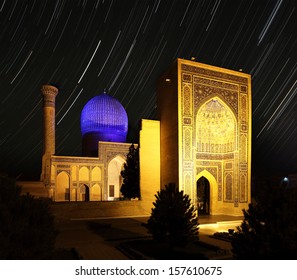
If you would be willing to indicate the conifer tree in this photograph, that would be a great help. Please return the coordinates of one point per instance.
(173, 218)
(130, 187)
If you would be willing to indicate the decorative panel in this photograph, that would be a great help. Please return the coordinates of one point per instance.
(228, 187)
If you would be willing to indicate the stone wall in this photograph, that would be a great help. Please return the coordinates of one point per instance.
(35, 188)
(95, 209)
(88, 209)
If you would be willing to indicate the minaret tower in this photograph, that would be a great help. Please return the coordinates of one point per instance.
(49, 93)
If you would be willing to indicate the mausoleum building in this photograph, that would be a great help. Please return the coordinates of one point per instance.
(201, 141)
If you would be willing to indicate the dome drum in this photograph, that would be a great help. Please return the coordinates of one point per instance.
(91, 139)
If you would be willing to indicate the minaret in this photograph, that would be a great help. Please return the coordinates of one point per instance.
(49, 93)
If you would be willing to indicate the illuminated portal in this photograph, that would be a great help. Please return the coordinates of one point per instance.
(205, 131)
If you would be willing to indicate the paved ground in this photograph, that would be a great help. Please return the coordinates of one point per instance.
(96, 239)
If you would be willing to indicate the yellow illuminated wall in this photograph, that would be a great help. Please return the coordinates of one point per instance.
(89, 178)
(149, 161)
(205, 118)
(76, 179)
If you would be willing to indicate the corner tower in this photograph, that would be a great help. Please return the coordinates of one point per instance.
(49, 93)
(205, 115)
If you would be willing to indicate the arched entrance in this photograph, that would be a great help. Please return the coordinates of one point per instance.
(85, 192)
(114, 181)
(203, 196)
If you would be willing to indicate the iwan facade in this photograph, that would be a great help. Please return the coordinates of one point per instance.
(205, 115)
(201, 141)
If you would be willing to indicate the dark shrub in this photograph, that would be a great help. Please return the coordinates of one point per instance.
(26, 225)
(269, 228)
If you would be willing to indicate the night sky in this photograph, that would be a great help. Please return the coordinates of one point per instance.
(84, 47)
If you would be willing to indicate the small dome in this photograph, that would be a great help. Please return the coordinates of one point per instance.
(104, 118)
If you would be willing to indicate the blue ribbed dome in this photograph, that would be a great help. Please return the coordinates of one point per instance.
(105, 117)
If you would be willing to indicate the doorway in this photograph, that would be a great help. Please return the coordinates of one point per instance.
(85, 192)
(203, 192)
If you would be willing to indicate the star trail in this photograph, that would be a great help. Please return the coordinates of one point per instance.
(86, 46)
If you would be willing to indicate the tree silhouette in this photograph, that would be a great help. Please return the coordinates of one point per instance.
(173, 218)
(130, 187)
(269, 229)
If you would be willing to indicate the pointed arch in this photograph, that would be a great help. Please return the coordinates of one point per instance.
(96, 194)
(96, 174)
(84, 174)
(203, 196)
(221, 100)
(114, 181)
(213, 188)
(62, 187)
(84, 192)
(216, 127)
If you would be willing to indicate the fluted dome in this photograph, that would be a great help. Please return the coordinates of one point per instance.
(103, 118)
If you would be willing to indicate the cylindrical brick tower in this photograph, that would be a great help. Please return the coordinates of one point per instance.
(49, 93)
